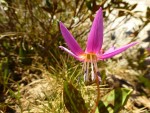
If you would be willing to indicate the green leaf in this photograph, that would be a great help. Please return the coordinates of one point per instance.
(133, 7)
(121, 13)
(145, 81)
(73, 99)
(101, 108)
(21, 51)
(114, 101)
(89, 4)
(148, 12)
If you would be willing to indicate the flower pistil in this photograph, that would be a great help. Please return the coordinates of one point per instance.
(90, 68)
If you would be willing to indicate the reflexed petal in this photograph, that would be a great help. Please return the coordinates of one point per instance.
(95, 37)
(71, 42)
(116, 51)
(110, 50)
(71, 53)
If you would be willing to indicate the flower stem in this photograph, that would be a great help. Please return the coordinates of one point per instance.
(98, 95)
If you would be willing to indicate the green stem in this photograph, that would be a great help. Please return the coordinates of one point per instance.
(98, 95)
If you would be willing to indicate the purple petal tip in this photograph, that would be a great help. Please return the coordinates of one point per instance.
(69, 39)
(95, 37)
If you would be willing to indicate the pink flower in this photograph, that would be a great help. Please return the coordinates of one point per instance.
(93, 52)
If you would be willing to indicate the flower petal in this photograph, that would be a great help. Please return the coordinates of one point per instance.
(110, 50)
(71, 42)
(71, 53)
(116, 51)
(95, 37)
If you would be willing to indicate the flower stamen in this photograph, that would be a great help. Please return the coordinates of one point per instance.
(90, 60)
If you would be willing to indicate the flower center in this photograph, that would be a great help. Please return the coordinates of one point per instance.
(89, 57)
(91, 73)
